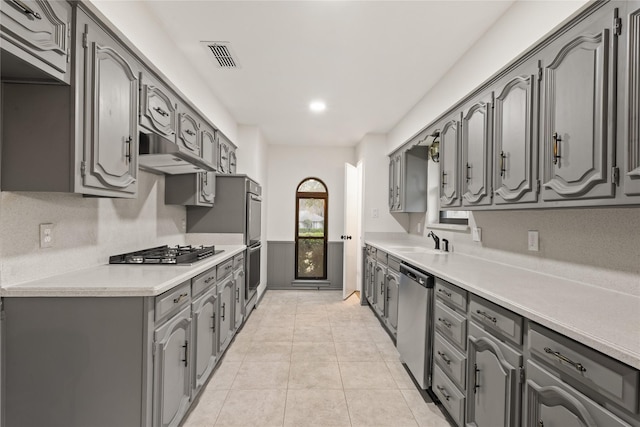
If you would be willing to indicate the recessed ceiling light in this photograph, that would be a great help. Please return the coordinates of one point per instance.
(317, 106)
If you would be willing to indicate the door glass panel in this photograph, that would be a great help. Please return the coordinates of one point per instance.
(311, 217)
(311, 258)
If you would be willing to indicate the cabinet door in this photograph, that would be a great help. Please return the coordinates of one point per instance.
(223, 157)
(171, 389)
(449, 170)
(398, 172)
(494, 386)
(515, 152)
(232, 161)
(38, 32)
(205, 342)
(578, 80)
(392, 181)
(631, 171)
(158, 109)
(189, 133)
(393, 281)
(238, 278)
(206, 188)
(476, 153)
(111, 115)
(226, 313)
(380, 287)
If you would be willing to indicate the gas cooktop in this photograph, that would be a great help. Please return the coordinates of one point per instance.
(171, 255)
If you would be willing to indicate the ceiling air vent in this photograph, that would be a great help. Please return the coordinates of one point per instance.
(223, 54)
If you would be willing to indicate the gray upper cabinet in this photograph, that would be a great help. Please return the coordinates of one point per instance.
(189, 131)
(408, 178)
(631, 165)
(37, 34)
(226, 155)
(171, 386)
(449, 162)
(576, 109)
(233, 160)
(396, 197)
(514, 130)
(158, 107)
(111, 113)
(207, 180)
(476, 152)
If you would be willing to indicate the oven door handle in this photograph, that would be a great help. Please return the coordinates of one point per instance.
(256, 198)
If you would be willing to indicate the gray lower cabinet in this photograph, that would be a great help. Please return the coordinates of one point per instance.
(369, 274)
(450, 161)
(477, 139)
(578, 79)
(631, 109)
(552, 403)
(37, 34)
(493, 394)
(393, 283)
(239, 279)
(226, 303)
(515, 132)
(171, 379)
(380, 286)
(205, 339)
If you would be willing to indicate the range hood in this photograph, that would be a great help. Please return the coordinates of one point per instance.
(160, 155)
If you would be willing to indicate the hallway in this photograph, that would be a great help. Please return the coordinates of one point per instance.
(307, 358)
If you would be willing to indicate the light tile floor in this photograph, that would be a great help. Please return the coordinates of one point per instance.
(308, 358)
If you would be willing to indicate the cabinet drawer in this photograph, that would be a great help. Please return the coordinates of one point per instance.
(225, 269)
(552, 402)
(506, 323)
(451, 324)
(451, 294)
(450, 360)
(591, 372)
(452, 399)
(203, 281)
(381, 257)
(371, 251)
(238, 261)
(171, 301)
(394, 263)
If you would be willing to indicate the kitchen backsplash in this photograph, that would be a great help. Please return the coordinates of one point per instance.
(595, 246)
(86, 230)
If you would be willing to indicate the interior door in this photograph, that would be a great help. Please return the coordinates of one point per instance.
(350, 261)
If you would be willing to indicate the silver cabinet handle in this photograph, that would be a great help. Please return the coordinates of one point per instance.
(26, 9)
(445, 322)
(180, 298)
(445, 358)
(564, 358)
(486, 316)
(444, 392)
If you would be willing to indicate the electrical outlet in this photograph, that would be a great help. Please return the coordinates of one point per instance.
(184, 224)
(533, 241)
(375, 213)
(419, 227)
(477, 234)
(46, 235)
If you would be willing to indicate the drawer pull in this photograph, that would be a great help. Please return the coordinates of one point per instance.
(448, 294)
(209, 279)
(180, 298)
(564, 358)
(445, 322)
(161, 111)
(486, 316)
(190, 132)
(444, 392)
(26, 9)
(444, 357)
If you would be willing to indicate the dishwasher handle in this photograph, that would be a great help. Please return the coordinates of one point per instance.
(418, 276)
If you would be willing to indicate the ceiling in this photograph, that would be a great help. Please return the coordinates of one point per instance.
(370, 61)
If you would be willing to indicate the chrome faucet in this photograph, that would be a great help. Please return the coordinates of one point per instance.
(436, 239)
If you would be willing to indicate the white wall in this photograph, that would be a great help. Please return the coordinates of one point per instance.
(138, 24)
(87, 230)
(288, 166)
(371, 151)
(521, 26)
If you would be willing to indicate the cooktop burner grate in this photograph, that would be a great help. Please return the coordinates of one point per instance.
(165, 255)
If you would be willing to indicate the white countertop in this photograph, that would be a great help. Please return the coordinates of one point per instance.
(118, 280)
(605, 320)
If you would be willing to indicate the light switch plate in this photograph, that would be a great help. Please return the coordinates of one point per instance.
(375, 213)
(46, 235)
(533, 241)
(477, 234)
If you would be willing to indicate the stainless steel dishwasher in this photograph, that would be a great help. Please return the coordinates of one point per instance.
(415, 323)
